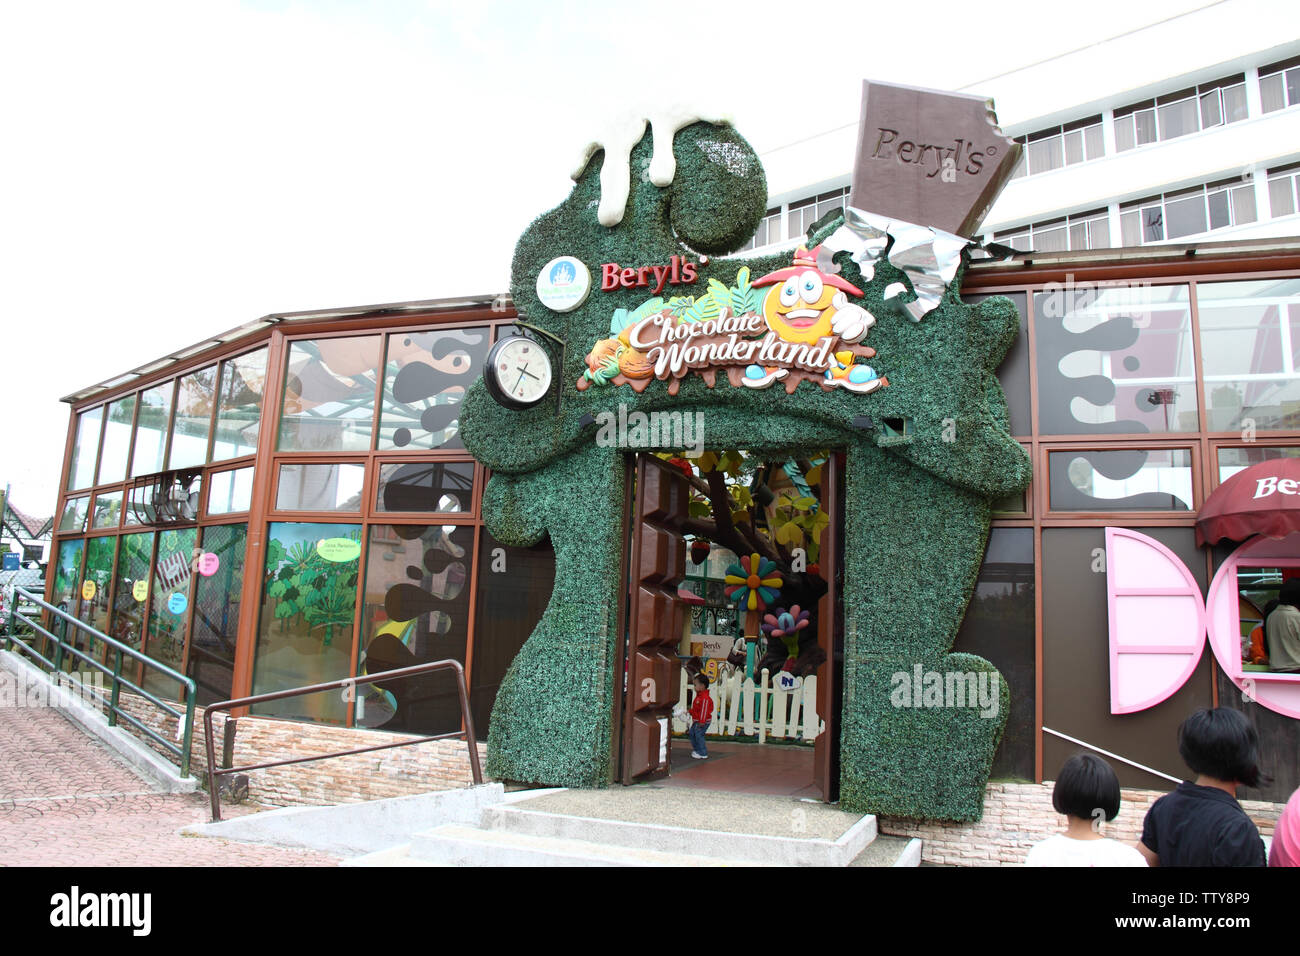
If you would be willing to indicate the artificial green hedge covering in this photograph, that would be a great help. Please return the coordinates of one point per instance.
(917, 507)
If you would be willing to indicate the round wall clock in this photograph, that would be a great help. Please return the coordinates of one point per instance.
(518, 372)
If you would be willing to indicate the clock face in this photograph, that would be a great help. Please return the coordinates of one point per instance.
(521, 369)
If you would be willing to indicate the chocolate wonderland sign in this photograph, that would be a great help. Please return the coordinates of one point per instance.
(804, 329)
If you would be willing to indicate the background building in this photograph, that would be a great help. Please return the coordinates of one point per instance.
(1184, 130)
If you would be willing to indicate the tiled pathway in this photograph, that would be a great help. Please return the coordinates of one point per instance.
(68, 800)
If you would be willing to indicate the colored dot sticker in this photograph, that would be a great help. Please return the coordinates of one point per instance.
(208, 564)
(140, 590)
(177, 603)
(88, 590)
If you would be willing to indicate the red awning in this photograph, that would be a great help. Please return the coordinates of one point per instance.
(1263, 499)
(687, 596)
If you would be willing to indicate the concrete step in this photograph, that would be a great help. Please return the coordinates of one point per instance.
(890, 851)
(457, 845)
(680, 840)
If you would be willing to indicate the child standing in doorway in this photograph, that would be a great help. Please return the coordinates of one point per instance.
(701, 717)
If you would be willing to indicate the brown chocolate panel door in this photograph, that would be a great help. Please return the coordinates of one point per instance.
(655, 568)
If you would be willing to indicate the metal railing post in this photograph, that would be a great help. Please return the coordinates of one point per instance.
(117, 689)
(58, 645)
(188, 734)
(9, 624)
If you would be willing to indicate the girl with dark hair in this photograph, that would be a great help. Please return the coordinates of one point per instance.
(1201, 823)
(1086, 791)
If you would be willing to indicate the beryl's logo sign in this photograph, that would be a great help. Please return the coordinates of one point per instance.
(803, 327)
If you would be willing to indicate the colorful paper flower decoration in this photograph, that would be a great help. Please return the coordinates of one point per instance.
(783, 623)
(786, 625)
(753, 583)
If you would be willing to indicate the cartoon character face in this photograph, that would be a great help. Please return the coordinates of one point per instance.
(799, 310)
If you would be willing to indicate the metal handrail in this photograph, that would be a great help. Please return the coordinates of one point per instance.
(64, 648)
(349, 683)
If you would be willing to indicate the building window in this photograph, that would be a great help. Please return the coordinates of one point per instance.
(1279, 85)
(1250, 351)
(1086, 230)
(806, 212)
(1178, 114)
(1059, 146)
(1188, 212)
(1283, 187)
(769, 231)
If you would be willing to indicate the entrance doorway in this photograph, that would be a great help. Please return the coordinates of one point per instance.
(733, 571)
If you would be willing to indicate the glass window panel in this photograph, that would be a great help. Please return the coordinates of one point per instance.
(1022, 165)
(512, 594)
(1185, 217)
(1248, 378)
(81, 471)
(1293, 86)
(320, 487)
(1115, 360)
(1093, 141)
(193, 420)
(1211, 114)
(329, 395)
(1281, 196)
(216, 612)
(999, 626)
(169, 612)
(1220, 216)
(1178, 119)
(1233, 460)
(444, 486)
(425, 380)
(305, 630)
(1145, 122)
(117, 440)
(239, 405)
(134, 561)
(1099, 233)
(1045, 154)
(108, 509)
(1125, 137)
(95, 581)
(74, 514)
(231, 491)
(67, 573)
(1074, 147)
(1122, 480)
(1078, 235)
(1130, 227)
(1243, 205)
(1234, 103)
(1153, 224)
(151, 430)
(1050, 240)
(416, 610)
(139, 507)
(1272, 93)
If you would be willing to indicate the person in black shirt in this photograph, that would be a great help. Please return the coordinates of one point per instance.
(1201, 823)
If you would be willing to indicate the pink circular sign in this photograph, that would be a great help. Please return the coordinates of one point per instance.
(208, 564)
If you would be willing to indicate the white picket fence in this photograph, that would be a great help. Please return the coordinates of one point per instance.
(743, 707)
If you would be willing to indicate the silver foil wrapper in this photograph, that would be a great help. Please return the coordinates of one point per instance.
(928, 257)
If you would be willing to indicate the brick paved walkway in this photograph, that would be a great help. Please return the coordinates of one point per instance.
(68, 800)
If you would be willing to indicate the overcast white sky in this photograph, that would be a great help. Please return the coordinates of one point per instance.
(169, 170)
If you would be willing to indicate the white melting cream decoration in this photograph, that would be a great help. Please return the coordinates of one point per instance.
(623, 134)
